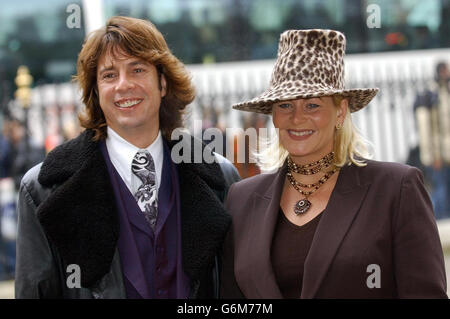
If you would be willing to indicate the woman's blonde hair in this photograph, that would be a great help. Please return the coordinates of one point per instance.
(136, 38)
(349, 146)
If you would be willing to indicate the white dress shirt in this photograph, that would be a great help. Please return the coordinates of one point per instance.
(122, 153)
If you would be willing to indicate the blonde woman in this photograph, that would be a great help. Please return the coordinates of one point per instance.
(329, 223)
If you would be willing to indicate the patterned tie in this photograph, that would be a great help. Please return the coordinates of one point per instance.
(144, 185)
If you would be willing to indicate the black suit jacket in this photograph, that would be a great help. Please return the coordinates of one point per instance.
(67, 215)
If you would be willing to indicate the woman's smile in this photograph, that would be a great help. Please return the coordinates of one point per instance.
(300, 135)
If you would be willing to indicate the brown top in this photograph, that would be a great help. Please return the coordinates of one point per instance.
(290, 248)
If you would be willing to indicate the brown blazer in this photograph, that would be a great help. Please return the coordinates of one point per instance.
(378, 214)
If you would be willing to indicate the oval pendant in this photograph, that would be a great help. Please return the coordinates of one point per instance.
(302, 206)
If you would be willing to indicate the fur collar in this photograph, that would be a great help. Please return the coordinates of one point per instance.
(80, 215)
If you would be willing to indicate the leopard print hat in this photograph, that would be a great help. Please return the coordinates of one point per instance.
(310, 63)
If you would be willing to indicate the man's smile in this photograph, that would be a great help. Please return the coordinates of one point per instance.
(126, 103)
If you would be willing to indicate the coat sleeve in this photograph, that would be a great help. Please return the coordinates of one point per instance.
(36, 270)
(418, 256)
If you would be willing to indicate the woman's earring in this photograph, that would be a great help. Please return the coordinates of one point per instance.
(338, 126)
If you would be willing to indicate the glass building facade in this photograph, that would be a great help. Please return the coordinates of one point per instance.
(37, 33)
(230, 30)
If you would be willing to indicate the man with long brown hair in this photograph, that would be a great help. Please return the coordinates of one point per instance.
(109, 214)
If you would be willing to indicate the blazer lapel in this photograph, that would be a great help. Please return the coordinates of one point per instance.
(80, 216)
(266, 206)
(343, 206)
(204, 221)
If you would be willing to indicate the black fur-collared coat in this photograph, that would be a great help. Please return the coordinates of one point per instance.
(67, 215)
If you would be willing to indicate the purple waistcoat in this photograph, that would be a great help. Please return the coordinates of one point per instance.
(151, 261)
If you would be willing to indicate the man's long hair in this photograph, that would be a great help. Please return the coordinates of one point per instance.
(134, 38)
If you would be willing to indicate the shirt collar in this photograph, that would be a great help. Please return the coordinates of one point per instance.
(122, 152)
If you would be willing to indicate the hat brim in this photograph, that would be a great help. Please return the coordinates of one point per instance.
(357, 98)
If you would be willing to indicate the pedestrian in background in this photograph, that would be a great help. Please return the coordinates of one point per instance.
(432, 112)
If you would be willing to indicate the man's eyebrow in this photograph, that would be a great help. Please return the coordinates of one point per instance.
(137, 62)
(105, 68)
(132, 63)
